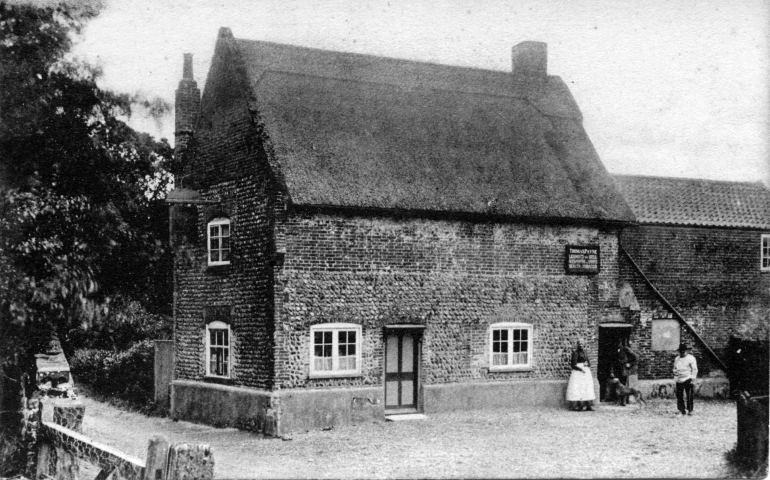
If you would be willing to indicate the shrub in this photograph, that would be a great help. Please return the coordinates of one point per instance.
(11, 455)
(126, 374)
(125, 323)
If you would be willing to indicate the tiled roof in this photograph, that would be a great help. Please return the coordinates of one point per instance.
(686, 201)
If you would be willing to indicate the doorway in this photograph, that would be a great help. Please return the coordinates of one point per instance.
(402, 368)
(609, 337)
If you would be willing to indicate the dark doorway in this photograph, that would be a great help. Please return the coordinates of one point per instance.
(402, 362)
(609, 337)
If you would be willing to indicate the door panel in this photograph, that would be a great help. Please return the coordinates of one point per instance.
(391, 349)
(407, 354)
(401, 359)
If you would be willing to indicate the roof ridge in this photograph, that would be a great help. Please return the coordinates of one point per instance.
(512, 95)
(691, 179)
(380, 57)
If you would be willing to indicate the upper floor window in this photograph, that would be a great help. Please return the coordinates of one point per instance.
(218, 349)
(510, 346)
(765, 255)
(219, 241)
(335, 350)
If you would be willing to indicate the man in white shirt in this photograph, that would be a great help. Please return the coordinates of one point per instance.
(685, 372)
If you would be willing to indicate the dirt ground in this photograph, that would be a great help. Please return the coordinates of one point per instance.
(613, 442)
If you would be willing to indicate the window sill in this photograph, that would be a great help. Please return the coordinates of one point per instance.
(218, 269)
(510, 369)
(219, 380)
(322, 376)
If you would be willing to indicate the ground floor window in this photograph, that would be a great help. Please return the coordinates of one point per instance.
(510, 346)
(218, 349)
(335, 350)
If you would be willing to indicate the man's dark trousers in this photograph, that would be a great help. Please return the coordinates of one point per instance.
(683, 388)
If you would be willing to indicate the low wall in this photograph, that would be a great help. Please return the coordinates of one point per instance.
(274, 413)
(284, 411)
(313, 409)
(480, 396)
(710, 387)
(224, 406)
(62, 448)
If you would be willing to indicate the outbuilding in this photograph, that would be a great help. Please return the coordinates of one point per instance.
(695, 269)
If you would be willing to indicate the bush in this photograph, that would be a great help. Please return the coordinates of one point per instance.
(125, 374)
(11, 455)
(126, 323)
(741, 467)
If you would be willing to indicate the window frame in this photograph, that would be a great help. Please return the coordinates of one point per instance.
(510, 326)
(764, 252)
(219, 325)
(219, 221)
(335, 328)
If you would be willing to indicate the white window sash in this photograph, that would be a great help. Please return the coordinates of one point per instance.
(508, 351)
(219, 223)
(223, 346)
(336, 329)
(764, 253)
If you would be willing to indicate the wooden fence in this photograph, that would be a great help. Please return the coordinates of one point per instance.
(62, 447)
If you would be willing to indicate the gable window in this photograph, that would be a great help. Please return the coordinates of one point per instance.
(335, 350)
(510, 346)
(765, 255)
(218, 350)
(219, 241)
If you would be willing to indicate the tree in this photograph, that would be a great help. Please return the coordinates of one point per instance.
(81, 216)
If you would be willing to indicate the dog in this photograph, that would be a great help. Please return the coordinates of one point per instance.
(622, 392)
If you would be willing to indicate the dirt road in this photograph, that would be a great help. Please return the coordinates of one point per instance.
(529, 443)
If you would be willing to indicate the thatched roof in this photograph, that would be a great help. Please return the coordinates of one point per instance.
(686, 201)
(361, 131)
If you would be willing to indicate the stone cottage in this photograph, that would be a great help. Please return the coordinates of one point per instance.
(694, 268)
(360, 236)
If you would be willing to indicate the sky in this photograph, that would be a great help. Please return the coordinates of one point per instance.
(674, 88)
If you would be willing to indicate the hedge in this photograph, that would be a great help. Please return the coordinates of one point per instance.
(125, 374)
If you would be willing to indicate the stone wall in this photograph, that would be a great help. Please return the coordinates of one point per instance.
(710, 275)
(228, 168)
(455, 277)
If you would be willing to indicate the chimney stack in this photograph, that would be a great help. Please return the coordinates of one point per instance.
(186, 107)
(530, 60)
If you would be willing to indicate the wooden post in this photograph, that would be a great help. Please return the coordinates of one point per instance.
(187, 461)
(43, 469)
(67, 465)
(164, 371)
(157, 459)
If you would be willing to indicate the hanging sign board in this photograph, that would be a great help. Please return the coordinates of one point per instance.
(665, 335)
(582, 259)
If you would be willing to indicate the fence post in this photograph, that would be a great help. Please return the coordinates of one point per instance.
(157, 459)
(163, 370)
(43, 469)
(187, 461)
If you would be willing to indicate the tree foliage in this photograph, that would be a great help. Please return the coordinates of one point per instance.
(82, 224)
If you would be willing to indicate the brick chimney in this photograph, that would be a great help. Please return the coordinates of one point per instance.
(186, 107)
(530, 60)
